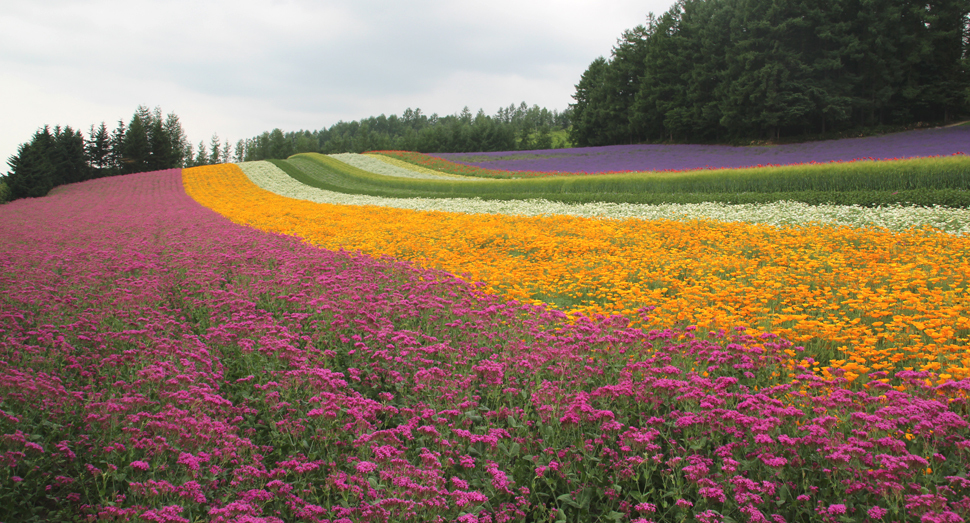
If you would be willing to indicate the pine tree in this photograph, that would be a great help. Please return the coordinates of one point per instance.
(99, 150)
(201, 155)
(117, 155)
(137, 148)
(181, 149)
(215, 150)
(69, 157)
(31, 171)
(226, 152)
(281, 148)
(160, 143)
(588, 111)
(240, 151)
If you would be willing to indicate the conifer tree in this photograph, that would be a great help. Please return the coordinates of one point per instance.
(117, 155)
(215, 151)
(31, 172)
(68, 156)
(161, 149)
(137, 148)
(201, 155)
(99, 149)
(181, 150)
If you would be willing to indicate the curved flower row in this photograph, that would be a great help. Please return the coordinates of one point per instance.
(861, 300)
(377, 165)
(445, 165)
(159, 363)
(897, 218)
(412, 167)
(909, 144)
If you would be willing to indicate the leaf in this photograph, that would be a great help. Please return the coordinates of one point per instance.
(567, 499)
(699, 445)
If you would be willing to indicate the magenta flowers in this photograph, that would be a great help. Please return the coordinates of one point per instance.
(160, 363)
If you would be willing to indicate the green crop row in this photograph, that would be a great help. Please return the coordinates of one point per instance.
(928, 181)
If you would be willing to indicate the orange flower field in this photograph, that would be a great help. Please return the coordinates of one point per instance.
(859, 300)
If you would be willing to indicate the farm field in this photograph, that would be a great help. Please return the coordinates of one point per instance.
(303, 186)
(329, 339)
(919, 143)
(849, 295)
(911, 182)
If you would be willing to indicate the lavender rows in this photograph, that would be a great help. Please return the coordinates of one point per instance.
(159, 363)
(921, 143)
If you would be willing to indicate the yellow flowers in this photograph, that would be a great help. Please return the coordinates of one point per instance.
(860, 300)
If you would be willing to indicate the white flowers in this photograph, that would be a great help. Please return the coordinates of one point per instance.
(377, 165)
(954, 221)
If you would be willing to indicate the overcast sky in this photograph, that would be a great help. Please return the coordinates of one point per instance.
(241, 67)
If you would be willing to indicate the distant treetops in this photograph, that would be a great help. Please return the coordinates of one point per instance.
(718, 70)
(59, 156)
(511, 128)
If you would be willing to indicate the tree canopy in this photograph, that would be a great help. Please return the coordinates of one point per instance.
(511, 128)
(60, 156)
(723, 70)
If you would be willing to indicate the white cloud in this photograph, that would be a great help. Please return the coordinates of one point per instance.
(242, 67)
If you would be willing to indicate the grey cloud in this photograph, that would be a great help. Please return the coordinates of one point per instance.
(301, 60)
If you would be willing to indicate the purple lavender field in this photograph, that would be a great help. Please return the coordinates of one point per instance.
(920, 143)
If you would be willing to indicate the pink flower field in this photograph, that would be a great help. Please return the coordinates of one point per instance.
(159, 363)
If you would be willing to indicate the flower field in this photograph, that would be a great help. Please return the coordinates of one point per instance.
(379, 164)
(626, 158)
(861, 300)
(955, 221)
(919, 182)
(159, 362)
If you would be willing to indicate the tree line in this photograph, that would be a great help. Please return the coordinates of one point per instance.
(61, 155)
(150, 141)
(511, 128)
(730, 70)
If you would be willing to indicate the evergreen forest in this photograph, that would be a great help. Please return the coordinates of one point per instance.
(735, 71)
(62, 155)
(511, 128)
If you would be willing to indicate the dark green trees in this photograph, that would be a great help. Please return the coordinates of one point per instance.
(716, 70)
(31, 170)
(590, 123)
(99, 149)
(514, 127)
(62, 155)
(150, 143)
(136, 147)
(53, 157)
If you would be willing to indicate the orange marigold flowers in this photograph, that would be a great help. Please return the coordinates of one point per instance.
(862, 299)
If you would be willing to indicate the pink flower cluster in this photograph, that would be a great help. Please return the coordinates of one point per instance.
(160, 363)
